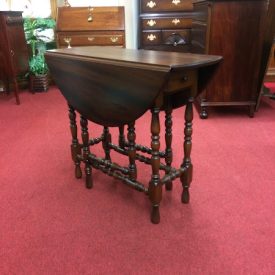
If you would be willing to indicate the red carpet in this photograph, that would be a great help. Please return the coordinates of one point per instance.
(51, 224)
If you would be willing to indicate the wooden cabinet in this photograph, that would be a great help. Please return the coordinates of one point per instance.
(165, 25)
(232, 29)
(86, 26)
(13, 49)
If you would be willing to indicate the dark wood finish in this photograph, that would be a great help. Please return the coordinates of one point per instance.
(165, 25)
(86, 151)
(114, 87)
(233, 29)
(14, 58)
(75, 147)
(85, 26)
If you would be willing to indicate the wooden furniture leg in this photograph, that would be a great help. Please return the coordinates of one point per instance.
(132, 151)
(121, 138)
(186, 178)
(168, 141)
(75, 146)
(107, 139)
(155, 187)
(86, 151)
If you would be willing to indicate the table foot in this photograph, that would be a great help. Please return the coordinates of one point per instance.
(185, 197)
(155, 216)
(169, 186)
(78, 172)
(89, 178)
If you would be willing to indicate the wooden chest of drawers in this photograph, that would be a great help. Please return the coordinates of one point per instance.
(232, 29)
(86, 26)
(165, 24)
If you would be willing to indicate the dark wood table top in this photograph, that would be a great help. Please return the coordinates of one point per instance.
(157, 60)
(114, 86)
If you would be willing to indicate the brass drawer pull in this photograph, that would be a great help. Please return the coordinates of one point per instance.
(151, 37)
(176, 2)
(68, 41)
(114, 39)
(151, 4)
(91, 39)
(151, 22)
(175, 21)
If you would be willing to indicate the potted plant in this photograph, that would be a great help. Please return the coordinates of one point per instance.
(39, 34)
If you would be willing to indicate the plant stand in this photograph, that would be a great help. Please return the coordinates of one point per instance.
(39, 83)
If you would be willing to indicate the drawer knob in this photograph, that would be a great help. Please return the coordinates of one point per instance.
(91, 39)
(176, 2)
(151, 22)
(185, 78)
(151, 37)
(175, 21)
(151, 4)
(12, 53)
(68, 41)
(114, 39)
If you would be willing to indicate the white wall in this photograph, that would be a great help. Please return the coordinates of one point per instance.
(130, 7)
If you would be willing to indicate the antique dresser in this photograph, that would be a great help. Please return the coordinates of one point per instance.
(87, 26)
(14, 58)
(232, 29)
(165, 24)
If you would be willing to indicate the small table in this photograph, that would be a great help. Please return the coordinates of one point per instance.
(113, 87)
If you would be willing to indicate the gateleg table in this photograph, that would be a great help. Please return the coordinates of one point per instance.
(114, 87)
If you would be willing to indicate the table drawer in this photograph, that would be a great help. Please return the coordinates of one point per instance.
(166, 5)
(181, 80)
(166, 23)
(91, 39)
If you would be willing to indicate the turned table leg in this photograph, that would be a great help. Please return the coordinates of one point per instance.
(155, 187)
(107, 138)
(75, 147)
(86, 151)
(132, 151)
(121, 138)
(168, 141)
(186, 178)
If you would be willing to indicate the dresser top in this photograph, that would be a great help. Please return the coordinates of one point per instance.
(153, 60)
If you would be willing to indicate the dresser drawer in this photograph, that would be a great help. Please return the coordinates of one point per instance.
(166, 5)
(90, 39)
(84, 18)
(166, 23)
(151, 37)
(176, 37)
